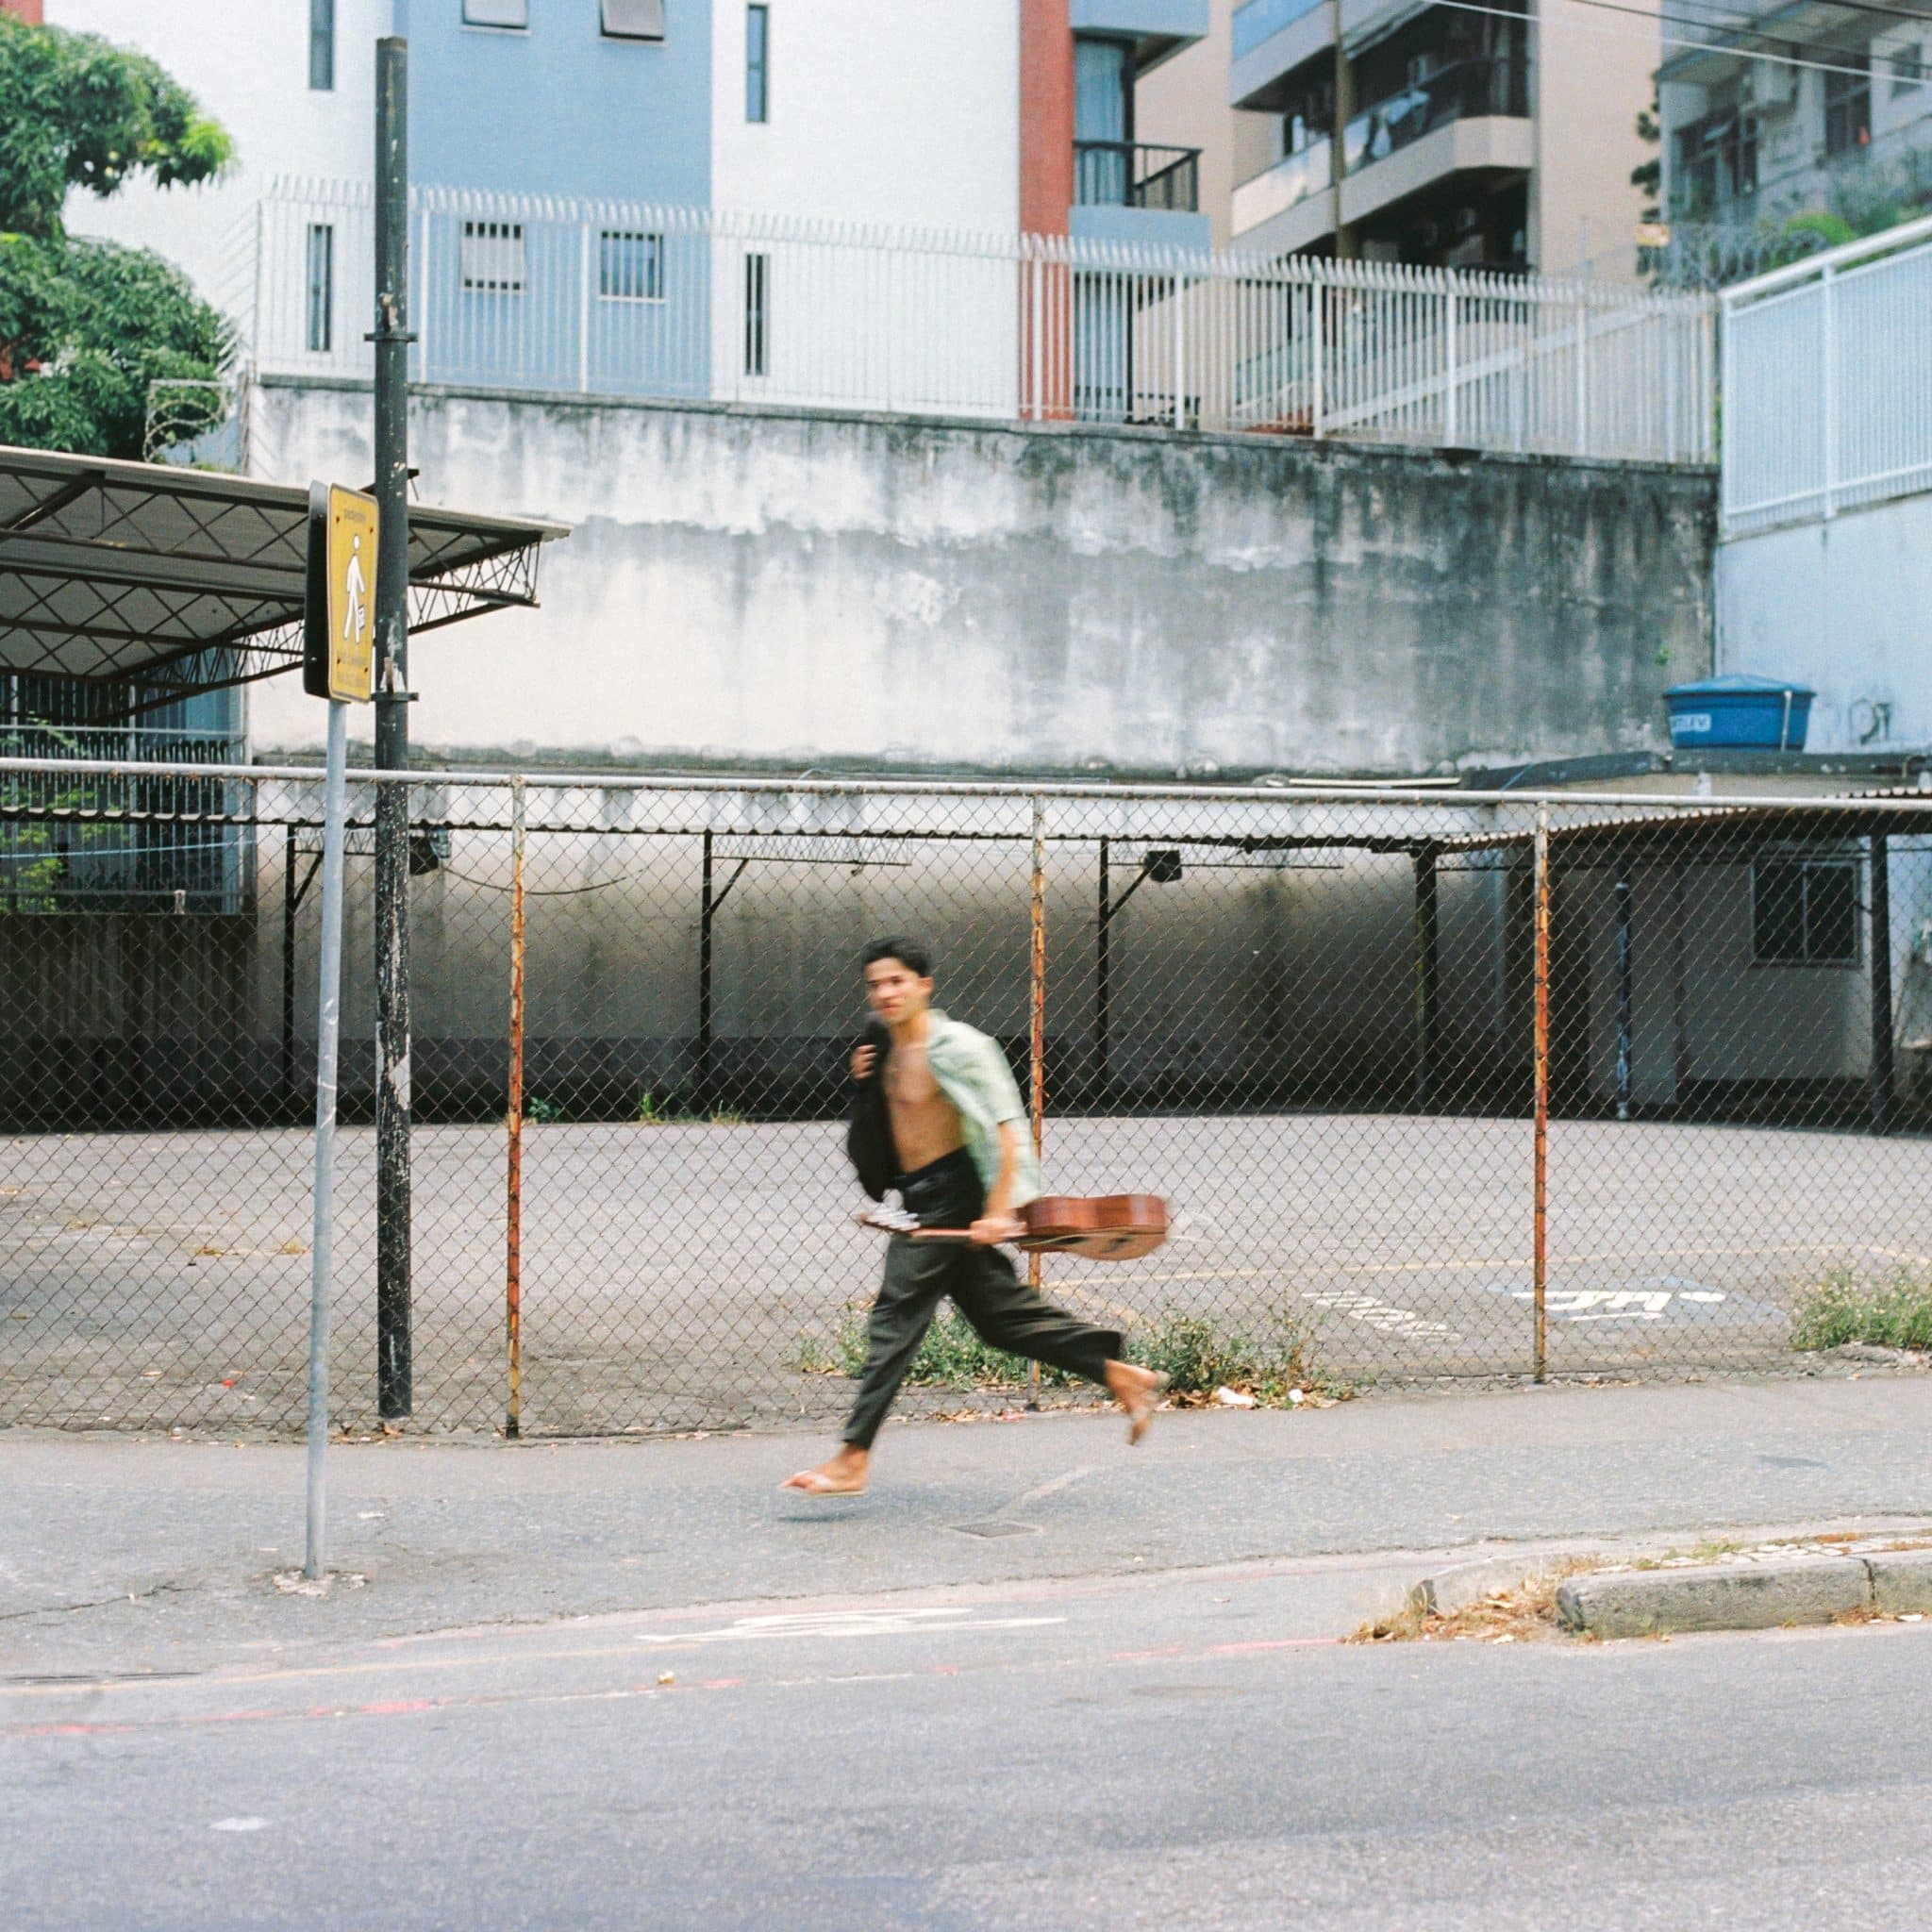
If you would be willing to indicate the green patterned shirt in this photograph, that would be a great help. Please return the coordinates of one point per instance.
(974, 1075)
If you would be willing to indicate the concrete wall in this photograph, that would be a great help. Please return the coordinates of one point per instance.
(794, 590)
(1839, 606)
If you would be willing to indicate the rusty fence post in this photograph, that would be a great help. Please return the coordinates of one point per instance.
(1539, 1285)
(514, 1256)
(1036, 1054)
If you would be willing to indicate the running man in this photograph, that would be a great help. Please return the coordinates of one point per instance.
(935, 1114)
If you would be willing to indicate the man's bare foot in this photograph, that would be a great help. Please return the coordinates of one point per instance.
(844, 1475)
(1138, 1390)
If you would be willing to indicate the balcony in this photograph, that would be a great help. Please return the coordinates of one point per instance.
(1486, 89)
(1135, 174)
(1467, 91)
(1270, 38)
(1292, 181)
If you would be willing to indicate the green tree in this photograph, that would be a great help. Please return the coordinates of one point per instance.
(87, 326)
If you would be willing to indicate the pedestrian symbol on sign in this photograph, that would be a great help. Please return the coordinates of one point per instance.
(355, 594)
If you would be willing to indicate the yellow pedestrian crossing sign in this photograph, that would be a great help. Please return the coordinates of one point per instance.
(339, 655)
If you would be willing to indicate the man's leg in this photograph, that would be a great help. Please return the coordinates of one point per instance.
(1010, 1315)
(918, 1276)
(917, 1279)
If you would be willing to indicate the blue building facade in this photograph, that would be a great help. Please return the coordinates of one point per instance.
(603, 101)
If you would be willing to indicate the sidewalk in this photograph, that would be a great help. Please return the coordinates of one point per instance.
(122, 1555)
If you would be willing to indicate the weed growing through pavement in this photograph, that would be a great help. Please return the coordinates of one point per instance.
(1841, 1308)
(1526, 1613)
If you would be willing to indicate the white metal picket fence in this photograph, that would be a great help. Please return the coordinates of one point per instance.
(1828, 370)
(610, 298)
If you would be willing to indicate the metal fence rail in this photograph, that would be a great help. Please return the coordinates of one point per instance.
(1827, 373)
(605, 298)
(1436, 1085)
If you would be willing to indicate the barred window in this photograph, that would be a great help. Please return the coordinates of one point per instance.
(630, 267)
(491, 258)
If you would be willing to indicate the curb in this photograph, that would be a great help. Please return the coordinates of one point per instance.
(1771, 1593)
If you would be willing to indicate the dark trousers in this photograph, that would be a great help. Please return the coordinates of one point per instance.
(985, 1289)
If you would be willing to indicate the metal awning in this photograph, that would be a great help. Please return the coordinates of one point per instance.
(189, 581)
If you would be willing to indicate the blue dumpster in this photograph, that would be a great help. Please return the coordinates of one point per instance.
(1738, 712)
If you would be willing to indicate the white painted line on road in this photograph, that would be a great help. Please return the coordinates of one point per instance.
(239, 1825)
(907, 1623)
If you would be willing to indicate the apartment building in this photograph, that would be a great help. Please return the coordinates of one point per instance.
(1443, 136)
(1840, 121)
(823, 108)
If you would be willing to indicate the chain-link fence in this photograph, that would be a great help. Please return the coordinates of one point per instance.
(1435, 1085)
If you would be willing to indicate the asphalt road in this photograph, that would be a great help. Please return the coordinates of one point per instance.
(1163, 1752)
(673, 1276)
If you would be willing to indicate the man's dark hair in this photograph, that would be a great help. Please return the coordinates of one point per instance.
(908, 952)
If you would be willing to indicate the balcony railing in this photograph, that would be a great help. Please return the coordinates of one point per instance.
(1463, 92)
(1133, 173)
(1894, 167)
(1284, 186)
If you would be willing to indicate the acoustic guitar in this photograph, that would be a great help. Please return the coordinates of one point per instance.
(1104, 1227)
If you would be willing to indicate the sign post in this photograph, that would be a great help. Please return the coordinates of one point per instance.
(339, 663)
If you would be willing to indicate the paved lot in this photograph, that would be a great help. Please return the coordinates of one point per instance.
(676, 1277)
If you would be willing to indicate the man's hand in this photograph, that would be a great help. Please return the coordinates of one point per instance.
(863, 1059)
(991, 1230)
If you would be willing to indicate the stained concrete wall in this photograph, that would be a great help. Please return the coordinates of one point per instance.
(795, 590)
(1842, 606)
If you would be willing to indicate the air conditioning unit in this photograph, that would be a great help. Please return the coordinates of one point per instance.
(1769, 84)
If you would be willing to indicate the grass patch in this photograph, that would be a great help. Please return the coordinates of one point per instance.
(1896, 1313)
(1196, 1357)
(950, 1357)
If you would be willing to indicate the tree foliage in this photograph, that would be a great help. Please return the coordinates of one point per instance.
(87, 326)
(77, 111)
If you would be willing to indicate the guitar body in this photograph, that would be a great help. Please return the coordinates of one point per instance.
(1104, 1227)
(1107, 1227)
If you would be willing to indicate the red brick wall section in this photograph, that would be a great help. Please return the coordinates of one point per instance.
(28, 10)
(1046, 116)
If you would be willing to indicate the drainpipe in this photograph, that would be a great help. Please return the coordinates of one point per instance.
(1345, 247)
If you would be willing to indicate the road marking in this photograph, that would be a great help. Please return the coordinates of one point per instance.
(1383, 1316)
(239, 1825)
(907, 1623)
(1659, 1297)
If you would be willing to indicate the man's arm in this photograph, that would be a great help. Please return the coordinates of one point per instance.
(997, 1222)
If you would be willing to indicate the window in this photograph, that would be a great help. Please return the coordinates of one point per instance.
(1908, 69)
(322, 288)
(1805, 912)
(497, 12)
(491, 258)
(321, 45)
(757, 296)
(1848, 101)
(630, 268)
(757, 63)
(634, 20)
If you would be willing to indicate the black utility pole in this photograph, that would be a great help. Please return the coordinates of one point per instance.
(391, 339)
